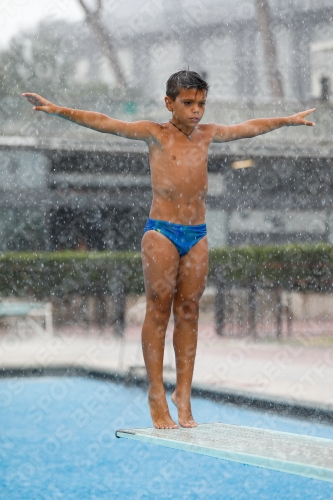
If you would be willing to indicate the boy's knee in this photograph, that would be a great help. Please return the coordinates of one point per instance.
(187, 310)
(162, 290)
(159, 307)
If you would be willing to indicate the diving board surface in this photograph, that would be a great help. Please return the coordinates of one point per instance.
(294, 453)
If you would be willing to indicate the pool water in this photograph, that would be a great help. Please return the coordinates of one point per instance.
(57, 442)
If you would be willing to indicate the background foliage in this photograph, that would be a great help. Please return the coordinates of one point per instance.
(47, 274)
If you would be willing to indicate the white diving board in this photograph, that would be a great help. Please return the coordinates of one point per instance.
(282, 451)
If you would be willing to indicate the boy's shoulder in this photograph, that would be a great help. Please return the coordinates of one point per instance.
(155, 126)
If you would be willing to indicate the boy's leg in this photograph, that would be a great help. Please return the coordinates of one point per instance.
(160, 261)
(192, 278)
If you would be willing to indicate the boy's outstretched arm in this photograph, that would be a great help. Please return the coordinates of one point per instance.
(258, 126)
(140, 130)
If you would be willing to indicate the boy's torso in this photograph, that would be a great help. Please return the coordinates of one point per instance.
(179, 175)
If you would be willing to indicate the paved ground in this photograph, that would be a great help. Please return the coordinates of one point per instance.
(295, 372)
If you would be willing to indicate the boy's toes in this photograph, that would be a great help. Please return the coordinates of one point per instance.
(173, 426)
(162, 425)
(188, 424)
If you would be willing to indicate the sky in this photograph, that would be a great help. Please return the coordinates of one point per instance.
(18, 15)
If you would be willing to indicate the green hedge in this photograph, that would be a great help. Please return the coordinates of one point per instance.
(298, 267)
(59, 274)
(46, 274)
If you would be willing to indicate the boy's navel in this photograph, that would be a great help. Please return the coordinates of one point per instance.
(173, 157)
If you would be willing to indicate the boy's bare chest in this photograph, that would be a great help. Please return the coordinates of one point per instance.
(179, 171)
(185, 158)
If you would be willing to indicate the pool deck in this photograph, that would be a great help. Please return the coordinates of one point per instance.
(297, 374)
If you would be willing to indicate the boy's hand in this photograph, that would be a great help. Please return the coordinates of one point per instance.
(40, 104)
(300, 119)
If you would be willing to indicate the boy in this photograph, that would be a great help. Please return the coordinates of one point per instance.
(174, 244)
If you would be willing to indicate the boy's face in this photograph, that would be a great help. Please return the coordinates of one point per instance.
(188, 107)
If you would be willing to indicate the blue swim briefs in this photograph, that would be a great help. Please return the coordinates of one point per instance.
(183, 237)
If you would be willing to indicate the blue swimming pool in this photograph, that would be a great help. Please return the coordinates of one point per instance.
(57, 442)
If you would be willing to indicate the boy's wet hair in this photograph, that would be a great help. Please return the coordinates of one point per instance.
(184, 79)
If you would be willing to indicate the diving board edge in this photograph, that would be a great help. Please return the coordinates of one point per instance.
(309, 471)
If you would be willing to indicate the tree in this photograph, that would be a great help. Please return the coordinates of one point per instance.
(105, 39)
(45, 62)
(273, 74)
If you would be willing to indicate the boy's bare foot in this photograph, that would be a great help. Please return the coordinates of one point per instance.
(185, 417)
(159, 411)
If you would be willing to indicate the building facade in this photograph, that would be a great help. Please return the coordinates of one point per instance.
(222, 40)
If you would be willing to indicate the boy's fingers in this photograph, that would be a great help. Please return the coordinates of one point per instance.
(34, 98)
(29, 96)
(309, 111)
(308, 122)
